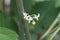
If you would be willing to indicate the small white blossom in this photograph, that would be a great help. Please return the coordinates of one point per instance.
(33, 22)
(29, 18)
(25, 15)
(36, 16)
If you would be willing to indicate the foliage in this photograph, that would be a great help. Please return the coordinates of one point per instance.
(49, 10)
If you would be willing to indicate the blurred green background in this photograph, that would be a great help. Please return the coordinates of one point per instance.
(49, 10)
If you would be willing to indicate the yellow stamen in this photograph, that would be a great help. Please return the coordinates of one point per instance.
(24, 17)
(29, 21)
(37, 19)
(33, 22)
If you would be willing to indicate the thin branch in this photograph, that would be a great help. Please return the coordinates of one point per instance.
(24, 23)
(53, 29)
(18, 24)
(48, 31)
(57, 30)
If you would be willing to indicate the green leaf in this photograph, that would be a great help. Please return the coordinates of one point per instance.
(27, 4)
(57, 3)
(7, 34)
(1, 1)
(4, 37)
(40, 0)
(33, 36)
(8, 22)
(48, 13)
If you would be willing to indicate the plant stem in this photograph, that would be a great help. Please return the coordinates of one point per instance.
(24, 23)
(57, 30)
(53, 29)
(53, 34)
(48, 31)
(19, 29)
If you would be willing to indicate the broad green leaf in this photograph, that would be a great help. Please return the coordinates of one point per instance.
(1, 1)
(48, 13)
(33, 36)
(7, 21)
(7, 34)
(27, 4)
(4, 37)
(57, 3)
(41, 0)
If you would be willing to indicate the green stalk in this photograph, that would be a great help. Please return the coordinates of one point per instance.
(55, 33)
(23, 22)
(52, 35)
(50, 28)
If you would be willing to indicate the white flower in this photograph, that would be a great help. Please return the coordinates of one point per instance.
(25, 15)
(29, 18)
(33, 22)
(36, 16)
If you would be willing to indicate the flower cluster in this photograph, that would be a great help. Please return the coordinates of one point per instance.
(30, 18)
